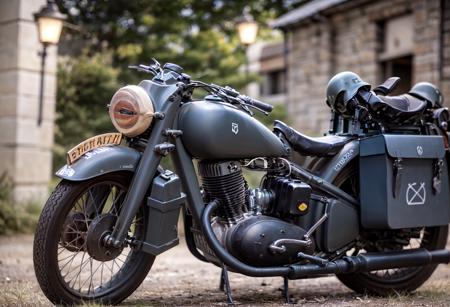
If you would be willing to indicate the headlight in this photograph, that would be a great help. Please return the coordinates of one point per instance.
(131, 110)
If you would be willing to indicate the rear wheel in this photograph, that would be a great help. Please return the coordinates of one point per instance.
(386, 282)
(71, 262)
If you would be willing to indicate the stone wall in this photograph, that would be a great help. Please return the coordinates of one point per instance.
(445, 50)
(25, 147)
(347, 37)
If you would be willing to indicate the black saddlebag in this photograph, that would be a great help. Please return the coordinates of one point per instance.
(403, 182)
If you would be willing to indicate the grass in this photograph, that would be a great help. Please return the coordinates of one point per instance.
(15, 218)
(21, 294)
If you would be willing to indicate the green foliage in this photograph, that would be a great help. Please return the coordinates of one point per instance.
(201, 36)
(278, 112)
(85, 87)
(15, 218)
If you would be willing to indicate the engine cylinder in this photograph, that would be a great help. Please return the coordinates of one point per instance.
(224, 181)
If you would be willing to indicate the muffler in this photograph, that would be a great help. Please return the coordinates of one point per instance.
(371, 262)
(349, 264)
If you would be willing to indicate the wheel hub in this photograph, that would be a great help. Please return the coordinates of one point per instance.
(100, 227)
(74, 232)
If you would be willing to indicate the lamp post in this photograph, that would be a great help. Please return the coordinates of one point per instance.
(49, 22)
(247, 30)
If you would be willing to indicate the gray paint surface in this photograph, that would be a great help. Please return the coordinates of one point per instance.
(101, 161)
(217, 131)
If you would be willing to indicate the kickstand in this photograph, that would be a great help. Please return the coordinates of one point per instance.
(225, 284)
(287, 299)
(222, 282)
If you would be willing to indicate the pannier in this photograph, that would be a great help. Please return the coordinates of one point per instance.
(403, 182)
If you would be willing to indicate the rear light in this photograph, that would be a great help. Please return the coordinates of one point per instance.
(131, 110)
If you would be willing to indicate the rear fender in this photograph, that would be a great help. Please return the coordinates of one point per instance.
(101, 161)
(329, 168)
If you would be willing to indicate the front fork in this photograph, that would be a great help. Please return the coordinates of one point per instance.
(156, 148)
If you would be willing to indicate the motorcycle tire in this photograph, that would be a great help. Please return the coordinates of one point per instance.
(406, 279)
(69, 226)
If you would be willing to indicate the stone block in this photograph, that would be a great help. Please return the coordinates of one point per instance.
(28, 84)
(28, 134)
(8, 131)
(27, 107)
(8, 46)
(32, 165)
(8, 83)
(28, 8)
(9, 10)
(7, 105)
(7, 161)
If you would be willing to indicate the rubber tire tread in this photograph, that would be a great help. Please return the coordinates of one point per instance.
(48, 280)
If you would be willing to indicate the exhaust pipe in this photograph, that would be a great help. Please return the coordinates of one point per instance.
(372, 262)
(350, 264)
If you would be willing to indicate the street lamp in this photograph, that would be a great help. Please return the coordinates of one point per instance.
(247, 30)
(49, 22)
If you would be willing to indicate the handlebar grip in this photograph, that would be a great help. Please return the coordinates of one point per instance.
(259, 104)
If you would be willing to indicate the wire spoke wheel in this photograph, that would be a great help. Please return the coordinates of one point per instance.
(81, 268)
(72, 263)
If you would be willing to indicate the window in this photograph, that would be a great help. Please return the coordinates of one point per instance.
(397, 42)
(273, 83)
(399, 67)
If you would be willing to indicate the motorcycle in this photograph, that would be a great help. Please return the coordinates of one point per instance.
(368, 202)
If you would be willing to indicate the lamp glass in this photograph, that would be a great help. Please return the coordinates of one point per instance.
(247, 32)
(49, 30)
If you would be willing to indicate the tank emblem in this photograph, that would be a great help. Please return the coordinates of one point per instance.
(235, 128)
(419, 150)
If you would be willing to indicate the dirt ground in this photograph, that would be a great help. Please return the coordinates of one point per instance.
(179, 279)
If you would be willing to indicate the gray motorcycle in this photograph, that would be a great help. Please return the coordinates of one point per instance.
(368, 202)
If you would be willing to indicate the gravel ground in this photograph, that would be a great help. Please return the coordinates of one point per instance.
(179, 279)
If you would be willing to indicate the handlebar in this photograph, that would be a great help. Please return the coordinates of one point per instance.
(232, 96)
(228, 93)
(257, 103)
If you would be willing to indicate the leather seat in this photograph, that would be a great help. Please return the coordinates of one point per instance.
(320, 146)
(404, 106)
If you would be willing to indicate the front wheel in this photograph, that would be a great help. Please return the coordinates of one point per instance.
(72, 265)
(387, 282)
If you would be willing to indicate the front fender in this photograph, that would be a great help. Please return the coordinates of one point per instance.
(101, 161)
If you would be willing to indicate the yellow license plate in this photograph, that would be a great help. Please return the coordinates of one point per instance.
(107, 139)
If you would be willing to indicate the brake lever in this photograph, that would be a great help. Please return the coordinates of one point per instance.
(256, 108)
(245, 107)
(143, 68)
(156, 66)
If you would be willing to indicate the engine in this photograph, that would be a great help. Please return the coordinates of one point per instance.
(250, 221)
(225, 182)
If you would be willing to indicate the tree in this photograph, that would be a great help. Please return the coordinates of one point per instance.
(85, 87)
(199, 35)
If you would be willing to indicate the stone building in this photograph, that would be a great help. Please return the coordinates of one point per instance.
(376, 39)
(25, 146)
(267, 60)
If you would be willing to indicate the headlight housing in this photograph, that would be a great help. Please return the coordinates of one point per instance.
(131, 110)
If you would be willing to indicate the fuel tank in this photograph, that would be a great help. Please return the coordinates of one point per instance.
(213, 130)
